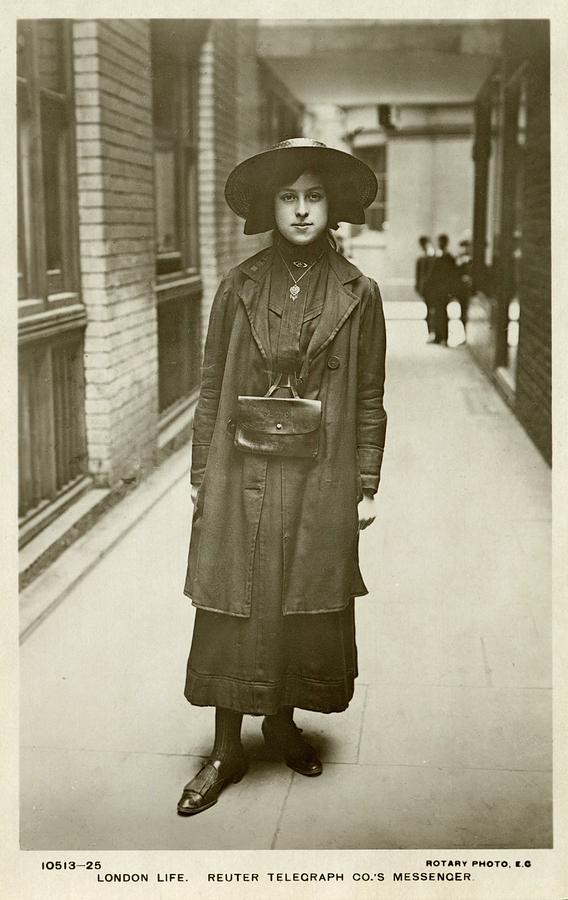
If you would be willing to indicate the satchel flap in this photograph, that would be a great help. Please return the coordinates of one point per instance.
(279, 415)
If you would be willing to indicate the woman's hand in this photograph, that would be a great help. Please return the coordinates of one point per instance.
(194, 493)
(367, 511)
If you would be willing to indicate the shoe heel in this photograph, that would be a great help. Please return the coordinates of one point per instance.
(238, 776)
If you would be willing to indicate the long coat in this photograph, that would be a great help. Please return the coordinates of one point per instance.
(344, 368)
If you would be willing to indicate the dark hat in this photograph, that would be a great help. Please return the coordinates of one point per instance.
(352, 184)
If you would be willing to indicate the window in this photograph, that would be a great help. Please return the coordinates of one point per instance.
(52, 442)
(175, 51)
(280, 118)
(376, 159)
(47, 252)
(175, 156)
(280, 122)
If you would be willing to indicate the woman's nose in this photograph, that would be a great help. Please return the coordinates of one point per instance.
(301, 208)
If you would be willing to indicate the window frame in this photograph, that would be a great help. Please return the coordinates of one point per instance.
(182, 137)
(40, 289)
(381, 200)
(514, 112)
(280, 116)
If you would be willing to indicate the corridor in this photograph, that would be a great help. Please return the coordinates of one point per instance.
(447, 742)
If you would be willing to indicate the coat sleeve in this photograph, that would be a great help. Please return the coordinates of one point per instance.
(213, 368)
(371, 415)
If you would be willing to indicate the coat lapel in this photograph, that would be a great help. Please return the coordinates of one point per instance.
(340, 302)
(252, 291)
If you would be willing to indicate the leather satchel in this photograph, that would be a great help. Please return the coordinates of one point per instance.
(278, 426)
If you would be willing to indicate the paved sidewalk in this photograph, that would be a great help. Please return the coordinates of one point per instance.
(448, 740)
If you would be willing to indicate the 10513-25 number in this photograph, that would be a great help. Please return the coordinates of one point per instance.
(58, 864)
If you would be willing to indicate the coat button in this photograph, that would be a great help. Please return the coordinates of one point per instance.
(279, 426)
(333, 362)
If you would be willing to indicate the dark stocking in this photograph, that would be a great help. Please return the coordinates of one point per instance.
(227, 734)
(284, 717)
(281, 733)
(283, 727)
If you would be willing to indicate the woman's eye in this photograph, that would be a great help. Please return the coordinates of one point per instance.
(287, 197)
(315, 196)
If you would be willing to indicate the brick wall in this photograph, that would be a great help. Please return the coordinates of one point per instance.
(116, 233)
(116, 214)
(533, 399)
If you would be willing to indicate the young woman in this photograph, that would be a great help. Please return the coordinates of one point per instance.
(288, 439)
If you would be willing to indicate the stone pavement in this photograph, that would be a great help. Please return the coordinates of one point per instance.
(447, 743)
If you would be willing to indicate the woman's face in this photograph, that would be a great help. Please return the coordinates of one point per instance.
(301, 209)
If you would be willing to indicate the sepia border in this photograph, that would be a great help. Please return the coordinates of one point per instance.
(547, 877)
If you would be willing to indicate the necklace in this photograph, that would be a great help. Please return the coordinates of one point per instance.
(295, 288)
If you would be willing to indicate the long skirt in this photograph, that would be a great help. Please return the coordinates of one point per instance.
(256, 665)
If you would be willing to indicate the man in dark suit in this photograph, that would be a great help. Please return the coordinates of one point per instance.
(423, 267)
(440, 287)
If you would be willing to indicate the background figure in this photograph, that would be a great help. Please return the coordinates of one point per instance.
(441, 285)
(423, 268)
(464, 276)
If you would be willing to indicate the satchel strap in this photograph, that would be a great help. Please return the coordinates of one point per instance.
(277, 383)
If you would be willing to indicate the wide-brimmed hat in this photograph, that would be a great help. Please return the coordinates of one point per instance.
(353, 184)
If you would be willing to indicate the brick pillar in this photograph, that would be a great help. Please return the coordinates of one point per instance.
(206, 176)
(116, 232)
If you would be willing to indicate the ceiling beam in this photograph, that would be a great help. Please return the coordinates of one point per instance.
(297, 38)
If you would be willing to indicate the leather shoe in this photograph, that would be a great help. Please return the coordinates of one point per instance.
(203, 790)
(288, 743)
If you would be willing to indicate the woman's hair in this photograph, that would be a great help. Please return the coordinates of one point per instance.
(286, 172)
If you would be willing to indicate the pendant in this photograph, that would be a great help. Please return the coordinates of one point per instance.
(294, 291)
(299, 264)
